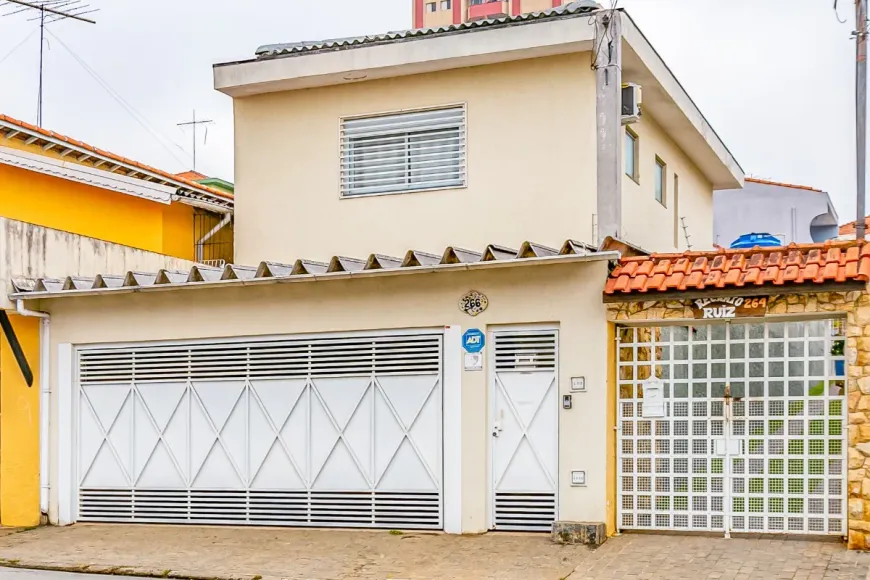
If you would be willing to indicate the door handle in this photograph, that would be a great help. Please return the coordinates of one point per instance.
(496, 428)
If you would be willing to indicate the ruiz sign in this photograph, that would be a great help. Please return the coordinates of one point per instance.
(725, 307)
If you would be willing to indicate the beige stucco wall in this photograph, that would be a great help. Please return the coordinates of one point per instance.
(531, 165)
(29, 251)
(646, 222)
(567, 295)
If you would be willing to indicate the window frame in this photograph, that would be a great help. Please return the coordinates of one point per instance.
(432, 7)
(660, 181)
(635, 174)
(446, 4)
(463, 134)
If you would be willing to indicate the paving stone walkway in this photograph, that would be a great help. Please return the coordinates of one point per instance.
(667, 557)
(278, 554)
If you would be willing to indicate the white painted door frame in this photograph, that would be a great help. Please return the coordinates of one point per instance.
(67, 446)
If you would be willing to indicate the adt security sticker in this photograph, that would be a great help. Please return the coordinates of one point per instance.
(473, 340)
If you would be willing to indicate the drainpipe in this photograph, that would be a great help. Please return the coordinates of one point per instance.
(44, 399)
(223, 223)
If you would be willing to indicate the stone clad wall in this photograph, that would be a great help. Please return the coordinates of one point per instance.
(856, 306)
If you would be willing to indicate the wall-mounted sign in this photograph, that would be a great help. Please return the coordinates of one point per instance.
(653, 398)
(724, 307)
(473, 340)
(578, 384)
(473, 303)
(474, 361)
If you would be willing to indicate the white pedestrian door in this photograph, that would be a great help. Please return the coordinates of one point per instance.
(524, 430)
(751, 436)
(341, 430)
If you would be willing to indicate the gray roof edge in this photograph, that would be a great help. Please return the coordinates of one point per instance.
(285, 49)
(23, 294)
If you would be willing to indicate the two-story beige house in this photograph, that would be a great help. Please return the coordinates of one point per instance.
(413, 334)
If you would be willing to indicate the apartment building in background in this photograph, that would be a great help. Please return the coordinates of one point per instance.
(435, 13)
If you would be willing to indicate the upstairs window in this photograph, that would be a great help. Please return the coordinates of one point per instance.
(445, 5)
(403, 152)
(631, 154)
(660, 177)
(431, 6)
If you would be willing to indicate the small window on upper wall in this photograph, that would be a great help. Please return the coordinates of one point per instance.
(402, 152)
(446, 5)
(660, 181)
(431, 6)
(631, 150)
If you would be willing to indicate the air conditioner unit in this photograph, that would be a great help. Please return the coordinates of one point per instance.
(631, 99)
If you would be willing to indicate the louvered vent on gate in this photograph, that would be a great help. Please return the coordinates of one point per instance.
(525, 511)
(272, 359)
(525, 351)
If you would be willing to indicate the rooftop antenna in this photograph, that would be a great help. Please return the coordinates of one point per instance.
(49, 11)
(194, 124)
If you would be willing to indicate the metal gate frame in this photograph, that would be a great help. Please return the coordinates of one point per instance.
(451, 391)
(745, 414)
(490, 414)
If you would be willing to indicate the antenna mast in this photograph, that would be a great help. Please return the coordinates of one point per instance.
(194, 124)
(49, 11)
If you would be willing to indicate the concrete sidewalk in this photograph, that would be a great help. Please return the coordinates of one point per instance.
(292, 554)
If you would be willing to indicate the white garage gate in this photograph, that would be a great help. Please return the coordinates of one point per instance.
(301, 431)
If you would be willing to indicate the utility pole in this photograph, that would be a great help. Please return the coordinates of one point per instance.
(193, 124)
(53, 10)
(861, 109)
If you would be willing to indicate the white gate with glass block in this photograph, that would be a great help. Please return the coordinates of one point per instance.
(753, 433)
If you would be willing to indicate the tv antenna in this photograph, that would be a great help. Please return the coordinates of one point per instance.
(194, 124)
(49, 11)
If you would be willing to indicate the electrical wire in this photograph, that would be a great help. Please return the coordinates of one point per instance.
(128, 108)
(837, 14)
(19, 45)
(608, 35)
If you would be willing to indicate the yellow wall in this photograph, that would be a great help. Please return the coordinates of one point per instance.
(178, 239)
(611, 430)
(97, 213)
(648, 223)
(19, 429)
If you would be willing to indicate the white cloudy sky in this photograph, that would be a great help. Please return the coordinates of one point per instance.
(775, 78)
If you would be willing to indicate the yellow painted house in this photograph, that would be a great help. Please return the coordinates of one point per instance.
(68, 207)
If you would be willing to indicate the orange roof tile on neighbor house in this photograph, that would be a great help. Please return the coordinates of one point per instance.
(779, 184)
(24, 126)
(849, 228)
(830, 262)
(191, 175)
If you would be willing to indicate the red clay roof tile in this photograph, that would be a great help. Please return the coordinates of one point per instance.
(833, 261)
(32, 129)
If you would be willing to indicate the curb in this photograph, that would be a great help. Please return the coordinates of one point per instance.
(116, 571)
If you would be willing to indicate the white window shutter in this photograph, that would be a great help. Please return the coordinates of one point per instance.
(403, 152)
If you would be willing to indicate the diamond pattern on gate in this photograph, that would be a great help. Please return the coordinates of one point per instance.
(526, 424)
(352, 449)
(103, 457)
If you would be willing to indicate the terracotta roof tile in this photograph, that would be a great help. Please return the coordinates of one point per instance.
(849, 228)
(791, 185)
(833, 261)
(34, 130)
